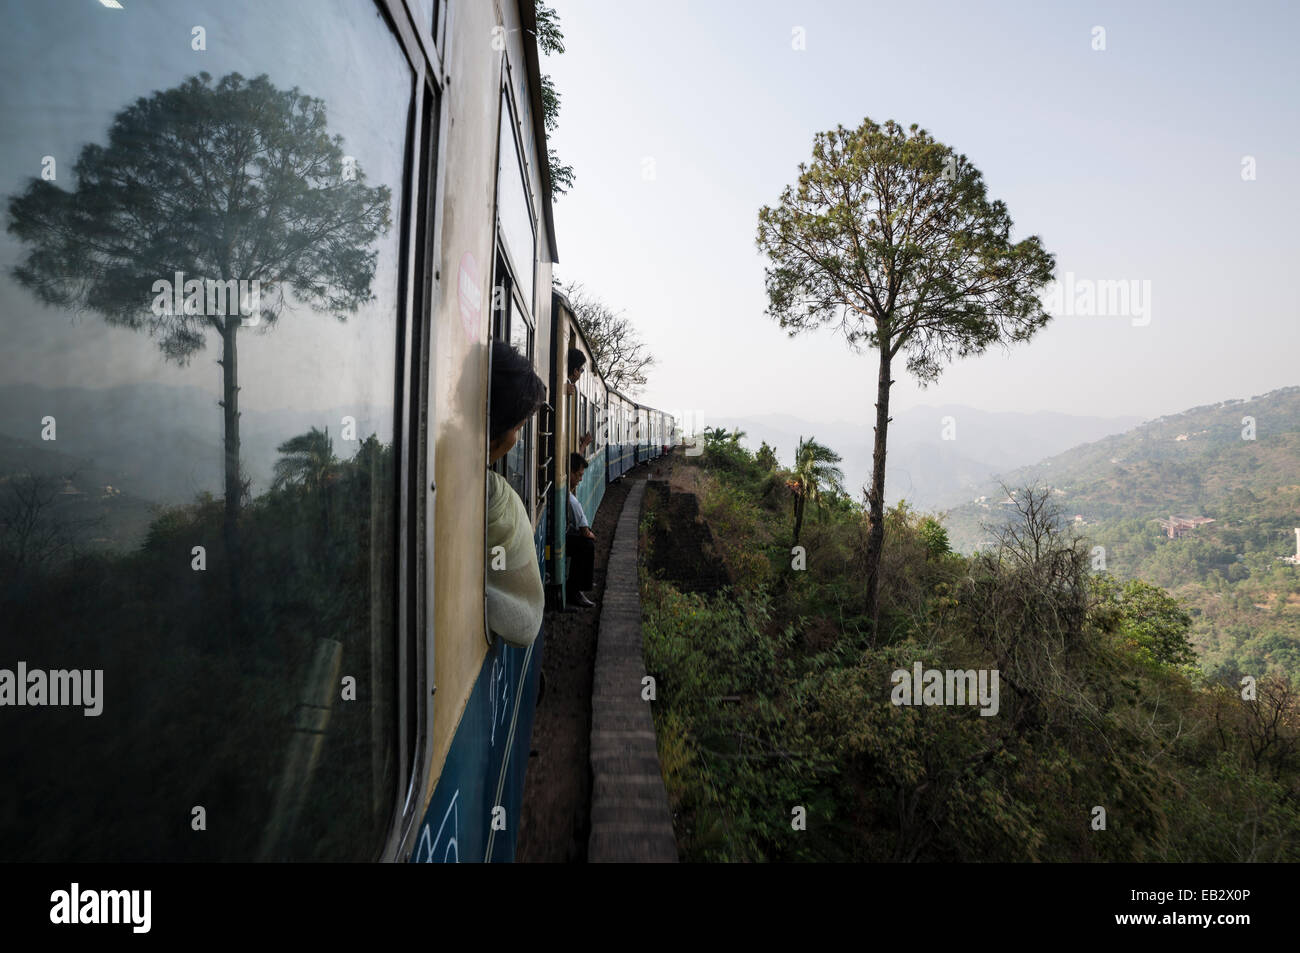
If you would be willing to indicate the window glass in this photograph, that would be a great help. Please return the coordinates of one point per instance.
(516, 461)
(582, 420)
(514, 208)
(427, 12)
(197, 418)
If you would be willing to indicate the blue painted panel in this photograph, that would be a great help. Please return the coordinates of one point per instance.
(488, 759)
(542, 526)
(592, 489)
(486, 764)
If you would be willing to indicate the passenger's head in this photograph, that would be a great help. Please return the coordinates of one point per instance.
(517, 392)
(577, 361)
(577, 464)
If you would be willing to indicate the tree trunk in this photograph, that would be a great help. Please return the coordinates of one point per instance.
(876, 494)
(798, 517)
(234, 485)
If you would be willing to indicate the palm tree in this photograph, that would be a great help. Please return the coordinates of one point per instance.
(308, 460)
(814, 472)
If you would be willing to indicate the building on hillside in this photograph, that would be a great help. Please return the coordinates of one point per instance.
(1294, 560)
(1177, 526)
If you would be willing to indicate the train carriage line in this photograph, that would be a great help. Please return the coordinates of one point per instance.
(332, 478)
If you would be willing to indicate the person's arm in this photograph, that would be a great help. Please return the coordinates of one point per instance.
(579, 516)
(515, 597)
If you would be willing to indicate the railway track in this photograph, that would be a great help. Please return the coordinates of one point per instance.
(630, 817)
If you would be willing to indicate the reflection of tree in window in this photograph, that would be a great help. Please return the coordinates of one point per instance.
(227, 681)
(237, 182)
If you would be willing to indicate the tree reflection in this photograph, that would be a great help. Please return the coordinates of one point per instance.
(207, 185)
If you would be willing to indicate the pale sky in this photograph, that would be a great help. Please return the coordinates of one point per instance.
(1127, 162)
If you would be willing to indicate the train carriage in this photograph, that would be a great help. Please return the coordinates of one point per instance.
(583, 428)
(270, 501)
(622, 452)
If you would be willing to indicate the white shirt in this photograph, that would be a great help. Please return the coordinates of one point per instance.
(577, 518)
(513, 581)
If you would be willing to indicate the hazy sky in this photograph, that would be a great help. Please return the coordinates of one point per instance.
(1127, 162)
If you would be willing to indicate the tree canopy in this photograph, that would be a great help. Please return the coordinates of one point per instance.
(620, 354)
(889, 237)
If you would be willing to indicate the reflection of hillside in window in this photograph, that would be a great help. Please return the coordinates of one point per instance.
(226, 508)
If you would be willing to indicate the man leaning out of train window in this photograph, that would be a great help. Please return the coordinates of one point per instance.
(515, 598)
(577, 363)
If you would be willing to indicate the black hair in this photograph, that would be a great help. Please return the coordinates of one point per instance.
(517, 391)
(577, 461)
(576, 360)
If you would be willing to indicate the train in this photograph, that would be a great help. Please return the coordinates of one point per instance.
(256, 255)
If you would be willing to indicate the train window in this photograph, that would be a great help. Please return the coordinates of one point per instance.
(510, 323)
(426, 13)
(517, 469)
(514, 208)
(200, 426)
(582, 421)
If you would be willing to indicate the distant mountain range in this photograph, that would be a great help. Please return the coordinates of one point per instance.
(939, 457)
(153, 443)
(1188, 463)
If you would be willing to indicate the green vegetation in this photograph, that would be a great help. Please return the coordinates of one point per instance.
(194, 715)
(1244, 601)
(775, 694)
(814, 470)
(550, 42)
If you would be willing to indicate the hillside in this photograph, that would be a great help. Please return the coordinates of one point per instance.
(1244, 599)
(112, 435)
(776, 689)
(1188, 463)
